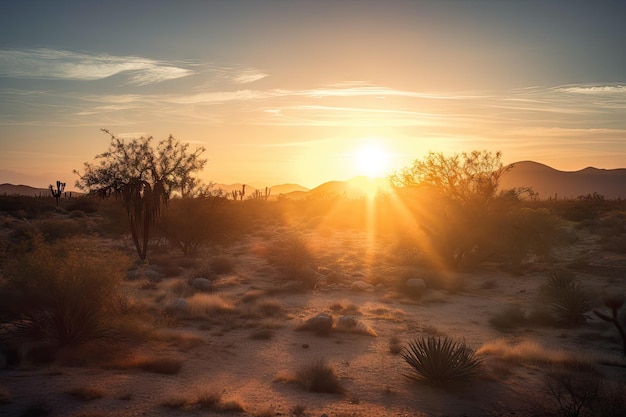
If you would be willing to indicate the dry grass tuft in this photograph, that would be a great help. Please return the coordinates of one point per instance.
(209, 400)
(318, 376)
(206, 305)
(532, 353)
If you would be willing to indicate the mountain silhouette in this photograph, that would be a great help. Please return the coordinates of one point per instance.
(549, 182)
(544, 180)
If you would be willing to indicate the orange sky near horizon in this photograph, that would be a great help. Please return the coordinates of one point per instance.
(297, 92)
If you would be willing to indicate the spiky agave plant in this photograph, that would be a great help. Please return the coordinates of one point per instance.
(440, 360)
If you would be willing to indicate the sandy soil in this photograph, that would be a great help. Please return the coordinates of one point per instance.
(219, 353)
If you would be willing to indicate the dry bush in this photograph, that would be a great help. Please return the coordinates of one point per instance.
(532, 353)
(56, 229)
(345, 307)
(510, 317)
(86, 393)
(208, 400)
(68, 291)
(203, 305)
(318, 376)
(291, 253)
(395, 345)
(574, 392)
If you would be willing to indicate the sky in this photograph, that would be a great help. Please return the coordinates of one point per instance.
(305, 92)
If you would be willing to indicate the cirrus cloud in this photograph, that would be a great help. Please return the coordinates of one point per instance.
(67, 65)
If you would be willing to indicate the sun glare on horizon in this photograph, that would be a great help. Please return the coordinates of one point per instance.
(372, 160)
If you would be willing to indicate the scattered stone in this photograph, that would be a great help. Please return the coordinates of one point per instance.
(346, 322)
(320, 324)
(202, 284)
(415, 283)
(180, 305)
(361, 286)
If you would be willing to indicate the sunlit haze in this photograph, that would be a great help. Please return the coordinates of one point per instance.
(311, 91)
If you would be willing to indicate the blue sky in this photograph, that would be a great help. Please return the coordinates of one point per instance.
(289, 91)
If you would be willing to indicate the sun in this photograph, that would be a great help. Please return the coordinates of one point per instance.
(372, 160)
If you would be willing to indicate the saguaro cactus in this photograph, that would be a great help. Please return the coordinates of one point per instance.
(58, 192)
(614, 301)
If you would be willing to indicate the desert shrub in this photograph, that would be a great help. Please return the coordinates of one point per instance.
(291, 254)
(574, 392)
(67, 291)
(569, 300)
(440, 360)
(55, 229)
(508, 318)
(190, 223)
(395, 345)
(318, 376)
(85, 204)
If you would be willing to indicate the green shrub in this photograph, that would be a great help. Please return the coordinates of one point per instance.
(66, 290)
(440, 360)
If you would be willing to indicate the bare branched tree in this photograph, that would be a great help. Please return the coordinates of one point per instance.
(144, 177)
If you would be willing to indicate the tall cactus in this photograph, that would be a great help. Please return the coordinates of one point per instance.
(58, 192)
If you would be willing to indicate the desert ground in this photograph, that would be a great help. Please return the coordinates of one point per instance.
(239, 341)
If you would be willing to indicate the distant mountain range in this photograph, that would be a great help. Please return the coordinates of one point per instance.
(549, 182)
(544, 180)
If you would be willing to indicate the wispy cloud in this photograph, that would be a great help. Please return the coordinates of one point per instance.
(67, 65)
(594, 89)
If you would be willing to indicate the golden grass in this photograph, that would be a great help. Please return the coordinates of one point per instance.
(532, 353)
(209, 400)
(206, 305)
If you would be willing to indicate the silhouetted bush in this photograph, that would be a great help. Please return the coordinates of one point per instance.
(87, 204)
(190, 223)
(440, 360)
(66, 291)
(55, 229)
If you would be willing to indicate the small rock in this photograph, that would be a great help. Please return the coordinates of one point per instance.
(346, 322)
(202, 284)
(305, 346)
(417, 283)
(320, 324)
(180, 305)
(361, 286)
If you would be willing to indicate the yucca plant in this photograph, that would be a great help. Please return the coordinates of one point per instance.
(568, 298)
(440, 360)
